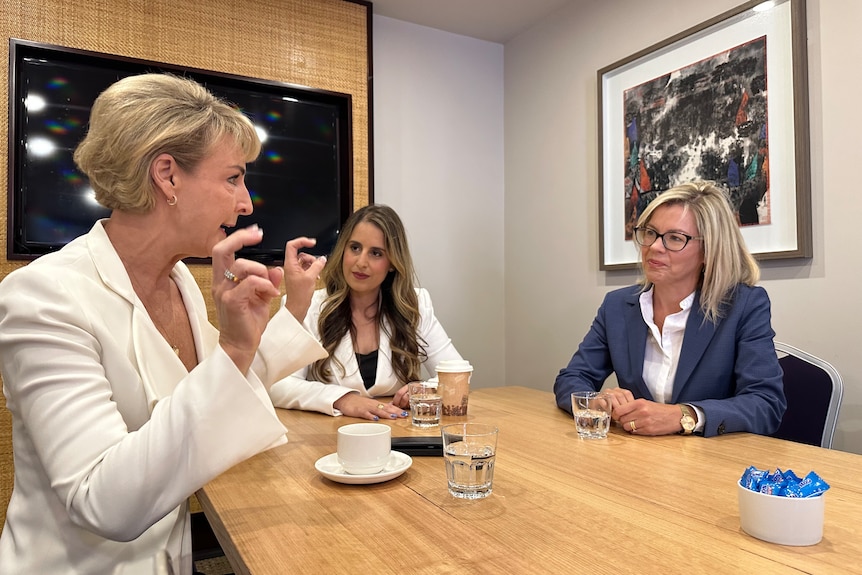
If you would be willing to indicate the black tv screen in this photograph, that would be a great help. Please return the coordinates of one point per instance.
(300, 185)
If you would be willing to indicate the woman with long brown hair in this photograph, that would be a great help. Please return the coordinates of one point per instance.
(377, 326)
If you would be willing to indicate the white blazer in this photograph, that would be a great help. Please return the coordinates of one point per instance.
(296, 392)
(110, 433)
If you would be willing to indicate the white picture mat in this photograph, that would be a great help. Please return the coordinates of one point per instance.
(775, 24)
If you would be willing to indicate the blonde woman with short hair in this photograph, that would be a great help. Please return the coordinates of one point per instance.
(125, 400)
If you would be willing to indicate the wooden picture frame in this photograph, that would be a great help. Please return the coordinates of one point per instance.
(725, 101)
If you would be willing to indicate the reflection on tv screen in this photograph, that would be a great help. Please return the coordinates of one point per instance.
(300, 183)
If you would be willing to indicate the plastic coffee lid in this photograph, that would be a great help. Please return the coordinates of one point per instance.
(454, 366)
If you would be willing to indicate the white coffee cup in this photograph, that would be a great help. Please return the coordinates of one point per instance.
(363, 448)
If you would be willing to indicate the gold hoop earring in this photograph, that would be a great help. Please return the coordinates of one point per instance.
(172, 201)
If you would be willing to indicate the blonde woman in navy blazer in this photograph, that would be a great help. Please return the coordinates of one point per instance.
(379, 329)
(692, 345)
(125, 400)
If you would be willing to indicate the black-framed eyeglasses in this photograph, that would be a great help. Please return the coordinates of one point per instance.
(673, 241)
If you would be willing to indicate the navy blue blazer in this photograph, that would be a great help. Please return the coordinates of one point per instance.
(728, 369)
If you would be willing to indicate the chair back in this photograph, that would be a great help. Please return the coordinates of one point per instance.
(814, 390)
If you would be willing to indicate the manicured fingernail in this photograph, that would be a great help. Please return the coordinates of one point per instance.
(392, 416)
(376, 418)
(404, 414)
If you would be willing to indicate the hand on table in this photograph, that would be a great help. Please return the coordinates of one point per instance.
(402, 397)
(354, 405)
(644, 417)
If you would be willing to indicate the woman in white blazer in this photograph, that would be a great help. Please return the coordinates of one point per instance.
(377, 327)
(124, 399)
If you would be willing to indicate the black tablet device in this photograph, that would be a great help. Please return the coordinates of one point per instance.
(419, 445)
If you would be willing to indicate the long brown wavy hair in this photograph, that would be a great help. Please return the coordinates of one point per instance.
(399, 305)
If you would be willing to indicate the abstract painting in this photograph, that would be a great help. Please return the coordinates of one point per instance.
(706, 121)
(724, 101)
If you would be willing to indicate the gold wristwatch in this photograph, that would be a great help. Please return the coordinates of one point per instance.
(688, 422)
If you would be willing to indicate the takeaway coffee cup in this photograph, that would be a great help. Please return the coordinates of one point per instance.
(363, 448)
(454, 385)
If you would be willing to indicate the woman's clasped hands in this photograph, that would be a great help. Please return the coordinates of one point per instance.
(644, 417)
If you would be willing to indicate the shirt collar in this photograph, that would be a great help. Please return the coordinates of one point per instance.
(646, 303)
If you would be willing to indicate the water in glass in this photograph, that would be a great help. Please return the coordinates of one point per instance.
(469, 469)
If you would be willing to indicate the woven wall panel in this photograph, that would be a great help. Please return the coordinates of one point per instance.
(317, 43)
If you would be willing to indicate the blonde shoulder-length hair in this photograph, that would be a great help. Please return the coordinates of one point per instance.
(726, 259)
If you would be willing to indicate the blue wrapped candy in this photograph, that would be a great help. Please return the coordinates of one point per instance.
(783, 483)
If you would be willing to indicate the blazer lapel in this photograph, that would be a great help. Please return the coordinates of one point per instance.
(698, 335)
(159, 367)
(636, 332)
(384, 363)
(344, 353)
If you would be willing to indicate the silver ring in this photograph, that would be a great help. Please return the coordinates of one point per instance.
(632, 423)
(231, 277)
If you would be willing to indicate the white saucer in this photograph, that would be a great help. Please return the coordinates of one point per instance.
(330, 468)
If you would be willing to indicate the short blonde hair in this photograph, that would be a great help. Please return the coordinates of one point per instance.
(726, 259)
(140, 117)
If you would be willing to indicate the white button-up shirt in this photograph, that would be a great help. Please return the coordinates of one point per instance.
(663, 347)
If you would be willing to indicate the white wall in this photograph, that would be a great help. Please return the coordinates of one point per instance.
(425, 164)
(552, 188)
(438, 154)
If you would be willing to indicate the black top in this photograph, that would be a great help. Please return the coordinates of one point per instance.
(368, 367)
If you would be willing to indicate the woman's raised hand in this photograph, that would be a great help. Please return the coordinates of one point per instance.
(242, 290)
(301, 272)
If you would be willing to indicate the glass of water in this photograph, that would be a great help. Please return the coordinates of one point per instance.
(469, 450)
(592, 411)
(425, 403)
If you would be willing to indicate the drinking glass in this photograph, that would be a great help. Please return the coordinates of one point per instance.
(592, 412)
(469, 450)
(425, 403)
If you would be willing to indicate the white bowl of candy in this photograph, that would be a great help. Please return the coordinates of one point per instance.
(778, 507)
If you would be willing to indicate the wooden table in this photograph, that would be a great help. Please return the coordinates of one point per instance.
(628, 504)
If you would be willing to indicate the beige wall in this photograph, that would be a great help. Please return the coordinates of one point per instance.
(551, 188)
(438, 155)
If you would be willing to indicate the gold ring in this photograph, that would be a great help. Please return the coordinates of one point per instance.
(231, 277)
(380, 406)
(634, 427)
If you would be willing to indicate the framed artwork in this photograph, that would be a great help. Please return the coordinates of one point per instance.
(725, 101)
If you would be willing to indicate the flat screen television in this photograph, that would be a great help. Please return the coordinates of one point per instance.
(301, 184)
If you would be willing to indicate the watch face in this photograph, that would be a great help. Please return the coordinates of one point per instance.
(687, 422)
